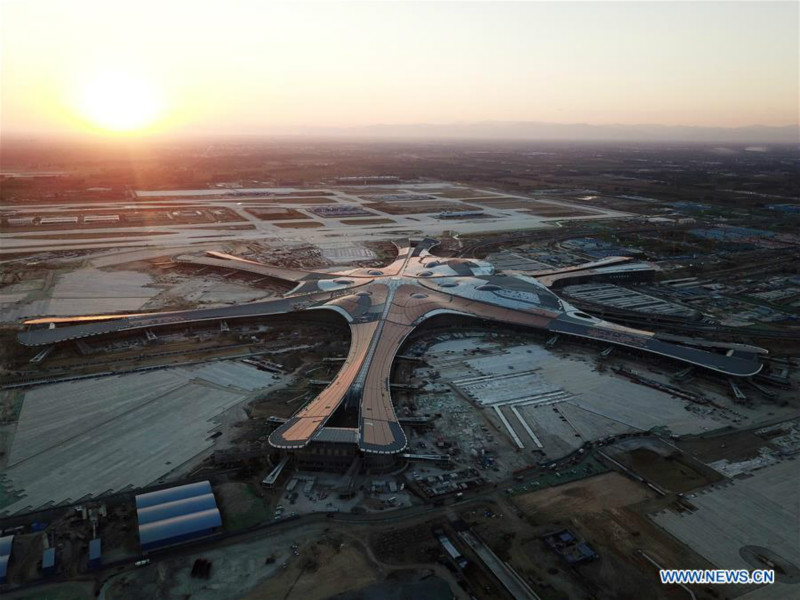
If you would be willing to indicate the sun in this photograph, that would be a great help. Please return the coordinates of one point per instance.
(116, 101)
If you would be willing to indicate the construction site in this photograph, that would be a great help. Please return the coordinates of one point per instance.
(488, 415)
(399, 300)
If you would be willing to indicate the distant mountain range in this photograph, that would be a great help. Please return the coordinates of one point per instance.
(532, 130)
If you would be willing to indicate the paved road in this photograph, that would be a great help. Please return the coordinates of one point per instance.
(515, 585)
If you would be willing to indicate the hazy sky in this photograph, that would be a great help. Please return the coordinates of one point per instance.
(242, 66)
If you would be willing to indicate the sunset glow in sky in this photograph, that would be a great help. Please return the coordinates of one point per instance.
(251, 67)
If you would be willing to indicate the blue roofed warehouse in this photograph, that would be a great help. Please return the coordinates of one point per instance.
(175, 515)
(190, 490)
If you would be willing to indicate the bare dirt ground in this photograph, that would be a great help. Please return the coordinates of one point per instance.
(416, 548)
(736, 446)
(605, 511)
(241, 504)
(595, 494)
(408, 545)
(619, 535)
(320, 565)
(672, 473)
(308, 563)
(326, 569)
(514, 540)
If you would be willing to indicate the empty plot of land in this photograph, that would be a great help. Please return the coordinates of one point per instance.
(230, 374)
(760, 511)
(662, 465)
(17, 292)
(208, 291)
(596, 494)
(24, 286)
(322, 570)
(109, 258)
(734, 446)
(87, 437)
(85, 283)
(8, 297)
(87, 291)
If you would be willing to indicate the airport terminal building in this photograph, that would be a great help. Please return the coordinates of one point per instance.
(382, 307)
